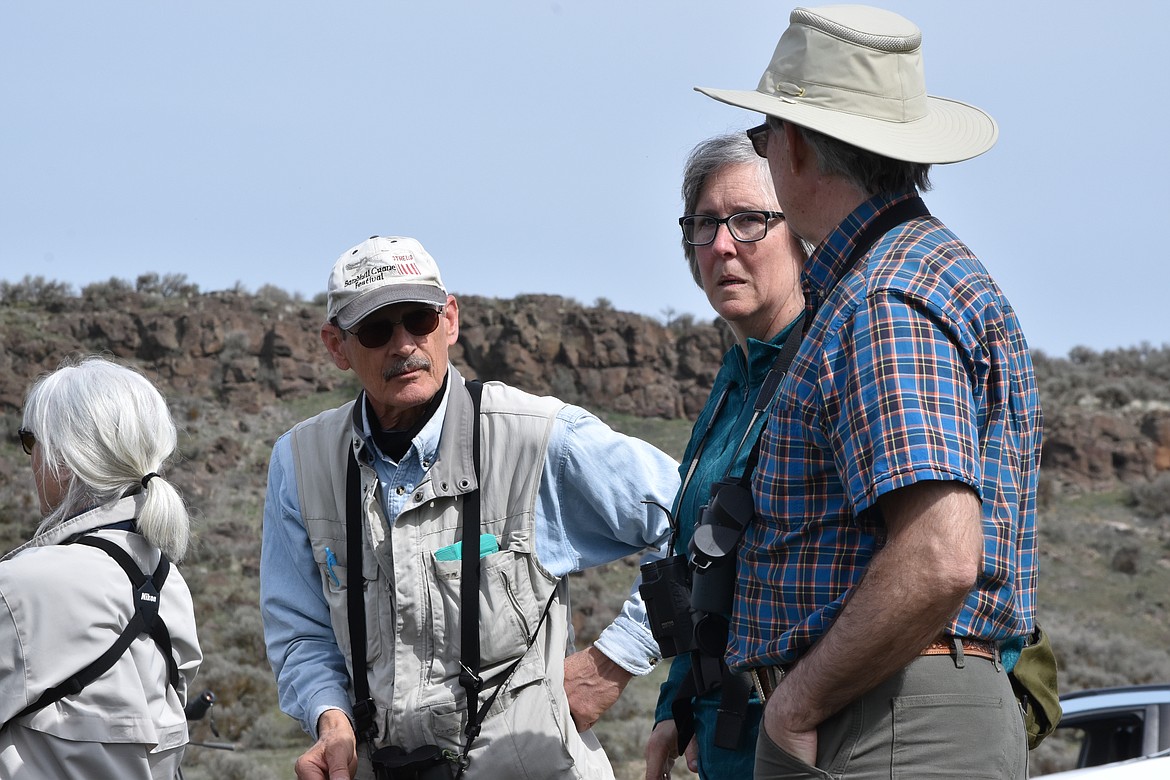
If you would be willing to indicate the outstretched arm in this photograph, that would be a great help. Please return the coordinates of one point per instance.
(592, 510)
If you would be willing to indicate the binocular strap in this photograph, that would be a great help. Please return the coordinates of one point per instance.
(735, 692)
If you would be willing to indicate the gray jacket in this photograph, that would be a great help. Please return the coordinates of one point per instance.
(62, 606)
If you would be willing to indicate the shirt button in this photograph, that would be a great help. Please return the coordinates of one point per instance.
(399, 490)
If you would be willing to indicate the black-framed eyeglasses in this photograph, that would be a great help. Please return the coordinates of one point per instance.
(758, 135)
(27, 440)
(418, 322)
(745, 226)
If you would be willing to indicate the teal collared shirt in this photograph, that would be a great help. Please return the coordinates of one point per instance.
(718, 441)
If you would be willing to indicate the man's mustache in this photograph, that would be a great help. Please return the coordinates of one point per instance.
(415, 362)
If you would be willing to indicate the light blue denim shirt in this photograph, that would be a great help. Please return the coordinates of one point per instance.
(589, 511)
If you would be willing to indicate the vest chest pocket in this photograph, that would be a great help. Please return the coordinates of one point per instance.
(507, 608)
(335, 576)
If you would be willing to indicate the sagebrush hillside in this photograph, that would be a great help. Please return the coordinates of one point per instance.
(240, 368)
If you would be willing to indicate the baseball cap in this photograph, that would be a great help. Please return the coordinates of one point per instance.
(380, 271)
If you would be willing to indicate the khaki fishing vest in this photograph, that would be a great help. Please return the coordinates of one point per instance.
(412, 598)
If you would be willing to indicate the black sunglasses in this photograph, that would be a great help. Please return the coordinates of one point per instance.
(418, 322)
(758, 135)
(27, 440)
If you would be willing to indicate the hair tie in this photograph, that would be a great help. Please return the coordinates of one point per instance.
(147, 478)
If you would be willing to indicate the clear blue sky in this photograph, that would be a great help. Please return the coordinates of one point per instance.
(537, 146)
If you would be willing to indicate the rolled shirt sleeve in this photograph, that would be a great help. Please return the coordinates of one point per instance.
(592, 509)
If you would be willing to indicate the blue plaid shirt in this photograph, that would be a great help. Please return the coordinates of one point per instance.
(914, 368)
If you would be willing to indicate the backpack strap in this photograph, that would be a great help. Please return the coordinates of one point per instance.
(145, 620)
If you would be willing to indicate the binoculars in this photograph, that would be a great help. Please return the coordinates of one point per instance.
(428, 762)
(688, 597)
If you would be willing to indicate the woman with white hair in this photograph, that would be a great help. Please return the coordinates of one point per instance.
(97, 629)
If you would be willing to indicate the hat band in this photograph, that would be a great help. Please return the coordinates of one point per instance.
(882, 107)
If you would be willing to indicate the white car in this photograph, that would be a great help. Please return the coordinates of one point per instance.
(1144, 768)
(1105, 733)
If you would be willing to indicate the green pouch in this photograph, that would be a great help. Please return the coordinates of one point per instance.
(1034, 682)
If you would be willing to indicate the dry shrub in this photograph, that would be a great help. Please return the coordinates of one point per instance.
(1090, 659)
(1152, 499)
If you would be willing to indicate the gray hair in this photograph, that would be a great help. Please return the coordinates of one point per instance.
(867, 170)
(709, 158)
(100, 428)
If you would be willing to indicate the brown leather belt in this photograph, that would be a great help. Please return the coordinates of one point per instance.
(978, 648)
(767, 678)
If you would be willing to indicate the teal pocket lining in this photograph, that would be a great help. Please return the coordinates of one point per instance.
(488, 544)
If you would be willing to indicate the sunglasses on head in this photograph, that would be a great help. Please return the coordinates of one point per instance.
(27, 440)
(418, 322)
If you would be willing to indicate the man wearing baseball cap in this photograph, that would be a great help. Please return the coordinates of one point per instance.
(437, 497)
(892, 558)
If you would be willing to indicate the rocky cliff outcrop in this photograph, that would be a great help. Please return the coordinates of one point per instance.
(245, 352)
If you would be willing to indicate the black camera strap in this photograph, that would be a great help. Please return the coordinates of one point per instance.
(145, 620)
(767, 393)
(702, 445)
(469, 659)
(364, 710)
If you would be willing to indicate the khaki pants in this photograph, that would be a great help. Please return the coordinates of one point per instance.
(932, 719)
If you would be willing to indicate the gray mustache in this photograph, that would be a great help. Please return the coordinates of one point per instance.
(413, 363)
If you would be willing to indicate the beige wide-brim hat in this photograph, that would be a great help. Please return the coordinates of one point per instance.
(855, 74)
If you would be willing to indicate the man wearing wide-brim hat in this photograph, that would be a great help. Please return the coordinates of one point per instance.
(890, 571)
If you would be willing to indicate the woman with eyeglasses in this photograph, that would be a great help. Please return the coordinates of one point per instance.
(743, 256)
(97, 629)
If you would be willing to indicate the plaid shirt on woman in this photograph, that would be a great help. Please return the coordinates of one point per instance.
(914, 368)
